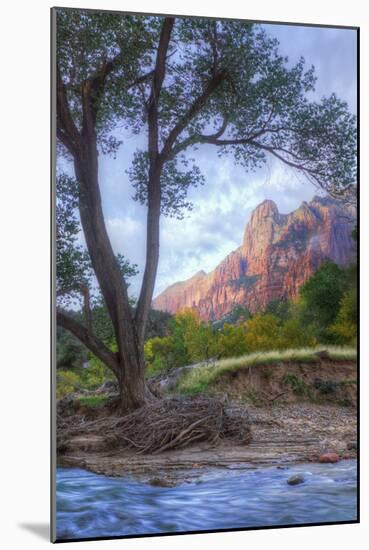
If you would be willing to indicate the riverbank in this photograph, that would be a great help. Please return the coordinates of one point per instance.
(297, 411)
(281, 435)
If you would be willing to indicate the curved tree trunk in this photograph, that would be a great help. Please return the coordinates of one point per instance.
(128, 364)
(111, 282)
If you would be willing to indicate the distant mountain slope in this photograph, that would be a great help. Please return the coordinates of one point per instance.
(278, 254)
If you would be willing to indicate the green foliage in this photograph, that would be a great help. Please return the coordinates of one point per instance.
(70, 353)
(239, 314)
(345, 326)
(262, 333)
(189, 340)
(66, 382)
(72, 261)
(321, 296)
(200, 342)
(258, 101)
(95, 374)
(325, 387)
(281, 309)
(88, 377)
(293, 334)
(181, 328)
(298, 385)
(177, 177)
(84, 40)
(231, 341)
(266, 331)
(159, 354)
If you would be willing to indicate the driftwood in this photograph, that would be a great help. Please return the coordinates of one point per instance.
(170, 423)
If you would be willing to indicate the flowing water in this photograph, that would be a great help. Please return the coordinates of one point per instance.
(91, 505)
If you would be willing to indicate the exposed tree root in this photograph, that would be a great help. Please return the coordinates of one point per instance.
(170, 423)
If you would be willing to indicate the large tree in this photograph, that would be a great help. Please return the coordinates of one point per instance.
(183, 82)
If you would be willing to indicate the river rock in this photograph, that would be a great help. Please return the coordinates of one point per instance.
(160, 482)
(329, 458)
(295, 480)
(110, 386)
(352, 446)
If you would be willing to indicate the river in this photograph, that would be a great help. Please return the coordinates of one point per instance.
(91, 505)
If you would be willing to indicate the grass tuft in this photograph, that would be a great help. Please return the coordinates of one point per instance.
(95, 401)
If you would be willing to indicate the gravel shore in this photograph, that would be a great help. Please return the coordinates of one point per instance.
(282, 435)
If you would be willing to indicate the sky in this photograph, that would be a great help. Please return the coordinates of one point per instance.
(222, 207)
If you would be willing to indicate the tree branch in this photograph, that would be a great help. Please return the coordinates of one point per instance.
(96, 346)
(84, 290)
(157, 83)
(67, 131)
(314, 174)
(193, 110)
(92, 89)
(154, 190)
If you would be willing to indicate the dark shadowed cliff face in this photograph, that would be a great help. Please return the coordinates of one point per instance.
(278, 254)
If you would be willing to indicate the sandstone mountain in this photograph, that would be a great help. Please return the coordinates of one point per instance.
(278, 254)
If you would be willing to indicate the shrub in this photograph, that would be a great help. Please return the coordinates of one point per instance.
(95, 374)
(231, 341)
(321, 296)
(345, 326)
(159, 354)
(66, 382)
(263, 333)
(293, 335)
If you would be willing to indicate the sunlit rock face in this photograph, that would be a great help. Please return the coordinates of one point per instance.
(278, 254)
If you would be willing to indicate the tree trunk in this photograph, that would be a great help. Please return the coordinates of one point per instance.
(111, 282)
(132, 390)
(129, 331)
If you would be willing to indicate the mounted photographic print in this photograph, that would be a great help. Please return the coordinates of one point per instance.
(204, 179)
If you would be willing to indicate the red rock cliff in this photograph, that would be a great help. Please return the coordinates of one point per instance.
(278, 254)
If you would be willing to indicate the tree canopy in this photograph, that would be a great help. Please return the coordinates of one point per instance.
(225, 83)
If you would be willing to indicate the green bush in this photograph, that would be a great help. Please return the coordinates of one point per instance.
(345, 326)
(66, 382)
(231, 341)
(263, 333)
(95, 374)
